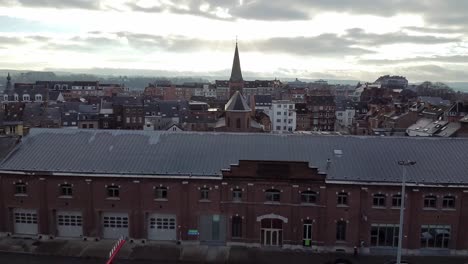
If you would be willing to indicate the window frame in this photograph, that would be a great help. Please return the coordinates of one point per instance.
(342, 199)
(66, 189)
(446, 200)
(237, 194)
(236, 227)
(21, 188)
(396, 199)
(205, 193)
(379, 200)
(273, 195)
(306, 197)
(113, 191)
(430, 202)
(161, 193)
(341, 227)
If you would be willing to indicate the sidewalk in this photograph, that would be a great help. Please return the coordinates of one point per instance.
(172, 253)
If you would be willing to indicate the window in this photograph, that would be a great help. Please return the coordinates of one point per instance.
(160, 192)
(448, 201)
(204, 193)
(307, 233)
(396, 200)
(26, 97)
(66, 190)
(383, 235)
(228, 121)
(20, 188)
(341, 230)
(309, 197)
(238, 123)
(91, 125)
(378, 200)
(272, 195)
(127, 120)
(236, 226)
(237, 194)
(278, 113)
(430, 201)
(278, 127)
(278, 120)
(342, 198)
(38, 97)
(435, 236)
(16, 97)
(113, 191)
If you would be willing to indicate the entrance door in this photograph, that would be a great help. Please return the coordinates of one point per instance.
(272, 232)
(307, 233)
(25, 221)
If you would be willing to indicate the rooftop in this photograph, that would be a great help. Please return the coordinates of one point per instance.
(190, 154)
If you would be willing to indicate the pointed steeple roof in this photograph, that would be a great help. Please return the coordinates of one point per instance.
(237, 103)
(236, 73)
(8, 77)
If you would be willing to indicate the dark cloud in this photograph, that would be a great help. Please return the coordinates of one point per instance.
(456, 59)
(322, 45)
(372, 39)
(59, 4)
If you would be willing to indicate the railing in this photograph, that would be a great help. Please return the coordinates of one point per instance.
(115, 249)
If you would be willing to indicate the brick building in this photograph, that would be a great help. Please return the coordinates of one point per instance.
(327, 193)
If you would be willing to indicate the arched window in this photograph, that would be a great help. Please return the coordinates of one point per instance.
(228, 121)
(378, 200)
(430, 201)
(38, 97)
(273, 195)
(204, 193)
(237, 195)
(16, 97)
(5, 97)
(448, 201)
(26, 97)
(309, 197)
(238, 123)
(396, 200)
(160, 192)
(20, 188)
(113, 191)
(342, 198)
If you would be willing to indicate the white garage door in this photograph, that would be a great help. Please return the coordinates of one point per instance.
(69, 224)
(162, 227)
(114, 225)
(25, 221)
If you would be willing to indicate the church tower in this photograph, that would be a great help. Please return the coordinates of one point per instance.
(236, 82)
(8, 88)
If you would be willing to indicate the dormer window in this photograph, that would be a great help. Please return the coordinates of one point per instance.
(20, 188)
(16, 97)
(273, 195)
(5, 97)
(26, 97)
(38, 97)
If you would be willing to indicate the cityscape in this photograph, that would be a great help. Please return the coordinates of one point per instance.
(216, 166)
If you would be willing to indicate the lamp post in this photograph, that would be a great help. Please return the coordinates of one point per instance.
(402, 206)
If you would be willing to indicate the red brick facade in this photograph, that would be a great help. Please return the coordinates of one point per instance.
(253, 179)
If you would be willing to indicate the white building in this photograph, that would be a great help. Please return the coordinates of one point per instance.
(283, 116)
(345, 116)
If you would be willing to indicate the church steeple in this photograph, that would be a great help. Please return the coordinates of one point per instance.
(236, 73)
(236, 82)
(8, 84)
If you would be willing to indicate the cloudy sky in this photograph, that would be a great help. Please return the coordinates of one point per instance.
(333, 39)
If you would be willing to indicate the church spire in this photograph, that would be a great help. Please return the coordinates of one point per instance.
(8, 84)
(236, 73)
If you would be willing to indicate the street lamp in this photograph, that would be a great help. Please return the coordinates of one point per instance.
(402, 206)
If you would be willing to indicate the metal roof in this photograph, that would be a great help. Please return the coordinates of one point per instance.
(236, 73)
(237, 103)
(126, 152)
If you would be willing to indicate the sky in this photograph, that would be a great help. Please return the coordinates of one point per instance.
(316, 39)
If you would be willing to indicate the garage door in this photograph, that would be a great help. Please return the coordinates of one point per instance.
(25, 221)
(69, 224)
(162, 227)
(114, 225)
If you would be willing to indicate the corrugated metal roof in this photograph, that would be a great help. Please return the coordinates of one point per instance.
(362, 159)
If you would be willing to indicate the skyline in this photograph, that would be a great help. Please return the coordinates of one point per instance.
(351, 40)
